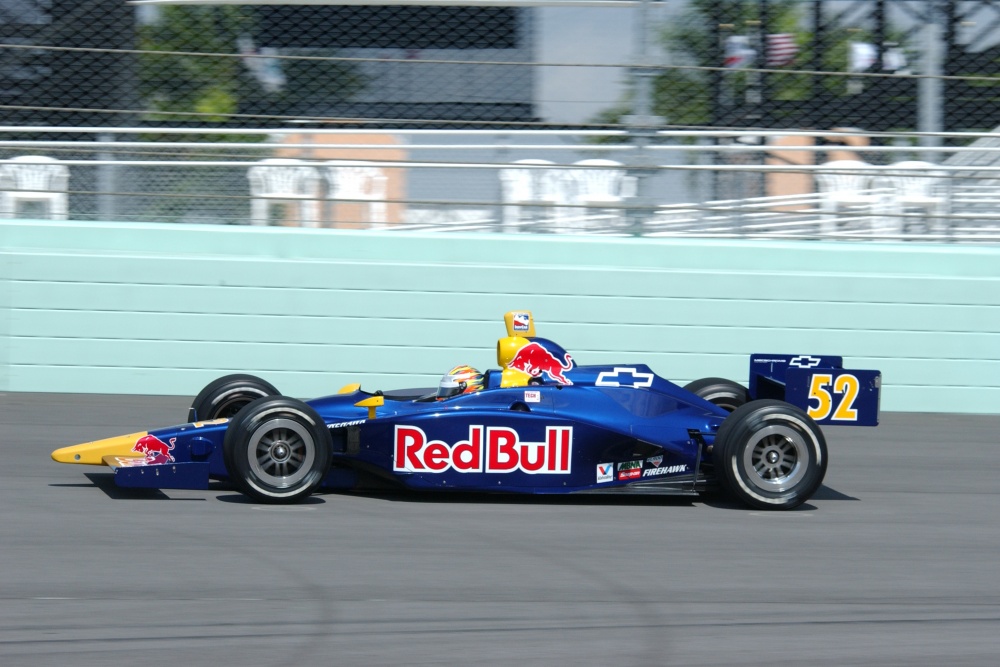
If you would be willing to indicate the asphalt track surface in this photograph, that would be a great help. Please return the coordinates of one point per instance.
(893, 563)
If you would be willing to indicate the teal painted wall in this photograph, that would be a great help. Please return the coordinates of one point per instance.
(163, 309)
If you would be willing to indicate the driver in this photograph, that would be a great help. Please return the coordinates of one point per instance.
(459, 380)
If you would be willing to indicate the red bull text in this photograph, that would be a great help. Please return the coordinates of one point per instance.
(494, 449)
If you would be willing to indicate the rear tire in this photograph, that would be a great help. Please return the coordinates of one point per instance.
(770, 455)
(277, 450)
(726, 394)
(223, 398)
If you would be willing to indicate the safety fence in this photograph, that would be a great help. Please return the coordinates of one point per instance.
(711, 183)
(834, 119)
(880, 65)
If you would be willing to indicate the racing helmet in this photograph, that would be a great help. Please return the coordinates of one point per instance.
(460, 380)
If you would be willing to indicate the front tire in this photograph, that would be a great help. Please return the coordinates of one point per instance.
(226, 396)
(770, 455)
(277, 450)
(726, 394)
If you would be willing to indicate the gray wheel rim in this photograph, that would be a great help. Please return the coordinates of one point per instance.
(776, 458)
(229, 409)
(233, 400)
(725, 400)
(281, 452)
(726, 403)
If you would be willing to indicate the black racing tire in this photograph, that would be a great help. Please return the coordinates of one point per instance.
(726, 394)
(277, 450)
(223, 398)
(770, 455)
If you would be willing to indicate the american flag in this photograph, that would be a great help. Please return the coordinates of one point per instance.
(781, 49)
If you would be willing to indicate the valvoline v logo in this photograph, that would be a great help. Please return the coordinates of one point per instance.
(155, 450)
(493, 449)
(534, 359)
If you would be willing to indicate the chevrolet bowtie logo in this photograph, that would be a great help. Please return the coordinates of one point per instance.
(624, 377)
(804, 361)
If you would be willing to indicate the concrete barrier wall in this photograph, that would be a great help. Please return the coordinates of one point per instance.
(163, 309)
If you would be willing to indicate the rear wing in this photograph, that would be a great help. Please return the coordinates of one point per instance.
(820, 385)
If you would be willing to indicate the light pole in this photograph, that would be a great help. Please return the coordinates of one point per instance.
(642, 124)
(931, 93)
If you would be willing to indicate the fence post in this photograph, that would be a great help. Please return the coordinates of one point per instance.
(642, 125)
(106, 181)
(930, 116)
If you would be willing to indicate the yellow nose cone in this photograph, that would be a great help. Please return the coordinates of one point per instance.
(93, 453)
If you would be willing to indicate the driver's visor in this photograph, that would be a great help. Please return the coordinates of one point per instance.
(449, 389)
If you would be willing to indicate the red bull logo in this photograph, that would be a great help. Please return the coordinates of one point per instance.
(155, 450)
(534, 360)
(493, 449)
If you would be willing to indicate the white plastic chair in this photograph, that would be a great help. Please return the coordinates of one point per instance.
(531, 194)
(34, 178)
(846, 184)
(360, 184)
(916, 185)
(284, 181)
(600, 186)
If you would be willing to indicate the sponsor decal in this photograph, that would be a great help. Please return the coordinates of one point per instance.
(630, 470)
(521, 321)
(655, 460)
(534, 360)
(532, 397)
(804, 361)
(605, 472)
(493, 449)
(155, 450)
(624, 377)
(665, 470)
(356, 422)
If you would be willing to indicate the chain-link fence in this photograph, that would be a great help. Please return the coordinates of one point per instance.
(696, 116)
(711, 63)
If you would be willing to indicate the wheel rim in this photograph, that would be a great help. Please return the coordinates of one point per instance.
(281, 452)
(725, 400)
(727, 404)
(234, 400)
(776, 458)
(229, 409)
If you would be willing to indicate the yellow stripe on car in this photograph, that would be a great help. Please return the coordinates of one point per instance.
(93, 453)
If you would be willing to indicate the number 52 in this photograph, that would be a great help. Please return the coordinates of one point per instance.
(833, 394)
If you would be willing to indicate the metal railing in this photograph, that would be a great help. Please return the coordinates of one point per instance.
(453, 180)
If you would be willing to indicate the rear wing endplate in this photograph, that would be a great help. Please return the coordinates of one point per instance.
(820, 385)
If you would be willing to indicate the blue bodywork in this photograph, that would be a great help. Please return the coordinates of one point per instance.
(548, 438)
(582, 429)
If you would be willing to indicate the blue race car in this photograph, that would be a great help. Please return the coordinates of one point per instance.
(540, 424)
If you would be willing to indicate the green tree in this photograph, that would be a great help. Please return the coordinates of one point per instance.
(171, 80)
(684, 96)
(683, 93)
(205, 84)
